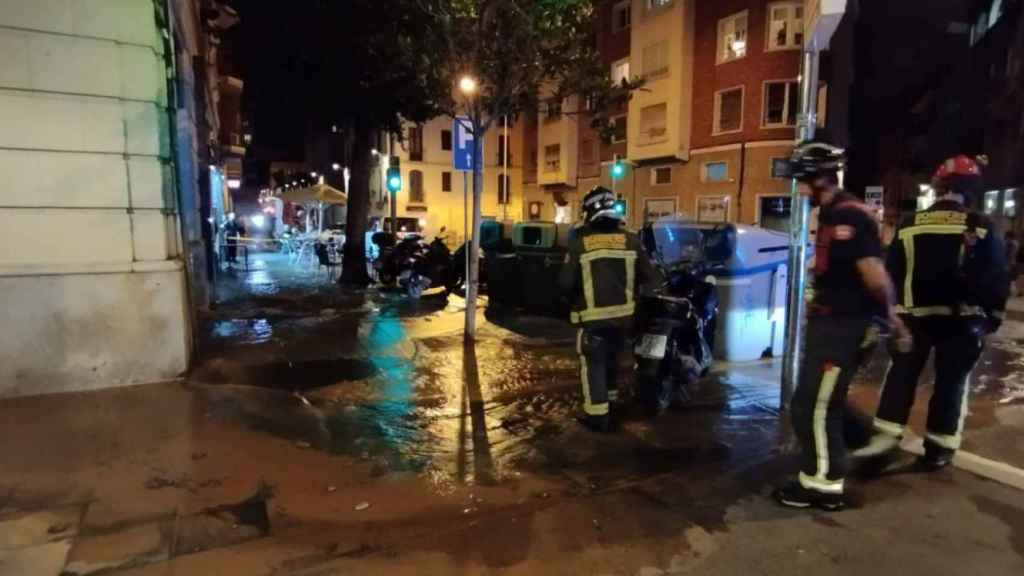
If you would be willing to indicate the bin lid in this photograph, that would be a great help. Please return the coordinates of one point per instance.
(735, 249)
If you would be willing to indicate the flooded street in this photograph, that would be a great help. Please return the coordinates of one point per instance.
(324, 432)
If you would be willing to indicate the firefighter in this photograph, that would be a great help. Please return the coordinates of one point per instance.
(950, 270)
(605, 267)
(851, 288)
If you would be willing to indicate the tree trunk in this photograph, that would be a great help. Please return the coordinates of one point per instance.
(473, 284)
(353, 266)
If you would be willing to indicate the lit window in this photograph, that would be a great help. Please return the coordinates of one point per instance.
(661, 176)
(716, 172)
(656, 59)
(553, 158)
(729, 111)
(620, 72)
(657, 4)
(732, 37)
(619, 129)
(621, 16)
(781, 101)
(992, 202)
(1010, 203)
(785, 25)
(653, 123)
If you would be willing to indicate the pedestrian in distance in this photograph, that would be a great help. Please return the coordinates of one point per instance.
(851, 290)
(606, 266)
(1013, 257)
(949, 265)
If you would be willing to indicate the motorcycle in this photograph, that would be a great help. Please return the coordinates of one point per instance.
(412, 264)
(676, 324)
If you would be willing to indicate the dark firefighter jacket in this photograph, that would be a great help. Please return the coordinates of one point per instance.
(606, 267)
(947, 261)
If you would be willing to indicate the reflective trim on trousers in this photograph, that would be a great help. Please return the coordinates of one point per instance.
(588, 406)
(828, 385)
(889, 428)
(820, 484)
(952, 442)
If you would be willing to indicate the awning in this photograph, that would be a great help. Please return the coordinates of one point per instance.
(318, 193)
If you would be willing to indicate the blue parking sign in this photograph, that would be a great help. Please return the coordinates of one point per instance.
(462, 147)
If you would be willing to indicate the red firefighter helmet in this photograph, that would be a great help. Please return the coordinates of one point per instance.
(960, 174)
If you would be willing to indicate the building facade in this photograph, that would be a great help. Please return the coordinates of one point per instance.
(101, 218)
(433, 194)
(706, 134)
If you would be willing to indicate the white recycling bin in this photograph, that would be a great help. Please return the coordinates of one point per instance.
(752, 296)
(751, 283)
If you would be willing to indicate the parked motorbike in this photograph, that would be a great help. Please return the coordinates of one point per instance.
(412, 264)
(676, 324)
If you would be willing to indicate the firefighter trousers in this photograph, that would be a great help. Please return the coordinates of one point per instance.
(599, 348)
(834, 352)
(957, 350)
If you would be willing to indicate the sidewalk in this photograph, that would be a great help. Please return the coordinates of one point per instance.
(364, 438)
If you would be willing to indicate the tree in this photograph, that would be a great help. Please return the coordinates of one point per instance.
(370, 68)
(515, 51)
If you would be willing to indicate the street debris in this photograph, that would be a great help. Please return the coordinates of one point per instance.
(332, 489)
(362, 506)
(303, 444)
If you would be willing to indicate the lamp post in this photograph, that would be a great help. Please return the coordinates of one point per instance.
(469, 86)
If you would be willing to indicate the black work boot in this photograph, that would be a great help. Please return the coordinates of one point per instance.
(935, 458)
(794, 495)
(603, 424)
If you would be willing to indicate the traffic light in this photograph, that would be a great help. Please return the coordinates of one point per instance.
(620, 206)
(394, 180)
(618, 168)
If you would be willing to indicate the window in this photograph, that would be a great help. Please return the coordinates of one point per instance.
(732, 37)
(716, 172)
(501, 149)
(713, 209)
(416, 143)
(553, 158)
(446, 139)
(416, 187)
(619, 127)
(729, 111)
(781, 102)
(552, 109)
(661, 175)
(995, 13)
(446, 181)
(656, 59)
(780, 168)
(620, 72)
(504, 188)
(588, 152)
(653, 123)
(785, 25)
(657, 4)
(657, 208)
(621, 16)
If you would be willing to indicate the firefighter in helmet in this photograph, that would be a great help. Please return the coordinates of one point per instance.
(851, 290)
(949, 266)
(606, 267)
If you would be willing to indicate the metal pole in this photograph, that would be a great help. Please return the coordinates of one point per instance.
(465, 227)
(504, 175)
(798, 228)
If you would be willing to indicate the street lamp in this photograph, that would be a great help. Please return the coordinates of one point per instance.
(467, 84)
(335, 166)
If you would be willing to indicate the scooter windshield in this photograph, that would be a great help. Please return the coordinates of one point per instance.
(675, 241)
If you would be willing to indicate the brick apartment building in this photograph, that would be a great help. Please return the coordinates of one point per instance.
(705, 135)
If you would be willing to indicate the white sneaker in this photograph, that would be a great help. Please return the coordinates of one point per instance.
(878, 445)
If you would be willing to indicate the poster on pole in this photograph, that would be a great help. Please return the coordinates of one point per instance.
(462, 144)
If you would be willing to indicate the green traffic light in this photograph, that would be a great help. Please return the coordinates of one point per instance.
(394, 183)
(618, 170)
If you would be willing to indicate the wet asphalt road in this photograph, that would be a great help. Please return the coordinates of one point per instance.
(310, 403)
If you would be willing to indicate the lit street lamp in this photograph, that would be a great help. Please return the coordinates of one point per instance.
(467, 84)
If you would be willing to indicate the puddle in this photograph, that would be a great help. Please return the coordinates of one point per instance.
(225, 525)
(286, 375)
